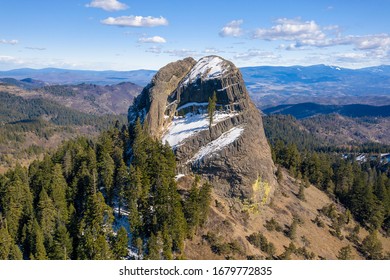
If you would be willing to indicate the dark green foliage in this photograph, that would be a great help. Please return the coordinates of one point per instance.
(197, 206)
(372, 247)
(220, 247)
(62, 244)
(260, 241)
(301, 192)
(272, 224)
(292, 230)
(63, 207)
(211, 107)
(345, 253)
(120, 244)
(363, 188)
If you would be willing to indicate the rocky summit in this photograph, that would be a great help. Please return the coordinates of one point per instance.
(232, 151)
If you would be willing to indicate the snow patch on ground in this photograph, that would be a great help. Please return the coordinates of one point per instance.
(219, 143)
(209, 67)
(182, 128)
(178, 176)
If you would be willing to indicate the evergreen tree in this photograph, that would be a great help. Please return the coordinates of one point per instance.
(15, 253)
(57, 192)
(46, 214)
(345, 253)
(94, 230)
(372, 247)
(6, 241)
(38, 250)
(279, 174)
(211, 107)
(16, 201)
(292, 231)
(154, 247)
(301, 192)
(122, 182)
(120, 244)
(204, 202)
(62, 244)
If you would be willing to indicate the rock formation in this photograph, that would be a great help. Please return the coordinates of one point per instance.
(232, 152)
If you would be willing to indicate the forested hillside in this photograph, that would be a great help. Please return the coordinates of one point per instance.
(363, 187)
(77, 203)
(30, 127)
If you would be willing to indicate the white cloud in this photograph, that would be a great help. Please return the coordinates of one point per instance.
(154, 49)
(208, 51)
(107, 5)
(232, 29)
(306, 34)
(35, 48)
(182, 52)
(9, 42)
(154, 39)
(255, 53)
(292, 30)
(135, 21)
(6, 58)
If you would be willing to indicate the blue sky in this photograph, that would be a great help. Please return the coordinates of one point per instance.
(147, 34)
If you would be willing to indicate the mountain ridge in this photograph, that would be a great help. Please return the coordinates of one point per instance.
(309, 109)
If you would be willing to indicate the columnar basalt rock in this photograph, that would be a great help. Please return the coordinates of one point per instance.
(232, 152)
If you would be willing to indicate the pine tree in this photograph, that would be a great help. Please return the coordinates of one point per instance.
(17, 201)
(5, 242)
(122, 182)
(345, 253)
(94, 229)
(292, 231)
(120, 244)
(46, 214)
(57, 193)
(192, 211)
(38, 251)
(372, 247)
(301, 192)
(15, 253)
(62, 244)
(279, 174)
(204, 202)
(211, 108)
(154, 247)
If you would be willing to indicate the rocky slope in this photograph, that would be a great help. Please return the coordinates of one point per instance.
(232, 152)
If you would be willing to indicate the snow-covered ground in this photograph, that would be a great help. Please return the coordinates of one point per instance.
(219, 143)
(209, 67)
(182, 128)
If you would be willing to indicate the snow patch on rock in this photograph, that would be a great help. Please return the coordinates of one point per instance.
(209, 67)
(218, 144)
(182, 128)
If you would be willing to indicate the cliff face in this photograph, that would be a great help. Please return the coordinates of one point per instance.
(233, 152)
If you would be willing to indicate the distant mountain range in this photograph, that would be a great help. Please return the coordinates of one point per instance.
(271, 86)
(87, 98)
(306, 110)
(66, 76)
(268, 86)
